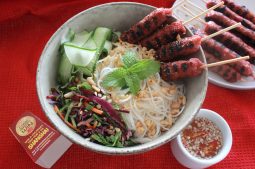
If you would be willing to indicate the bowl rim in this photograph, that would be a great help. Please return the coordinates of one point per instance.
(100, 148)
(226, 146)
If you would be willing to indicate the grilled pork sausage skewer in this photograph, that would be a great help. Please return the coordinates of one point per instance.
(230, 40)
(147, 25)
(191, 68)
(185, 46)
(247, 35)
(165, 35)
(222, 53)
(240, 10)
(232, 15)
(225, 71)
(152, 22)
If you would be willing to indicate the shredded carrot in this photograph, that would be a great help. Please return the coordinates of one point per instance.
(95, 124)
(88, 125)
(70, 125)
(58, 112)
(97, 111)
(56, 109)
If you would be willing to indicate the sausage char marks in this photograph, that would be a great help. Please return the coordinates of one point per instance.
(184, 47)
(230, 40)
(164, 35)
(222, 53)
(225, 71)
(247, 35)
(232, 15)
(181, 69)
(147, 25)
(240, 10)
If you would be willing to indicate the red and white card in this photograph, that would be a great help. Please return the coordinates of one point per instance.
(42, 143)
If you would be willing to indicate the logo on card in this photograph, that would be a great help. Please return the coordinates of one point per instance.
(25, 125)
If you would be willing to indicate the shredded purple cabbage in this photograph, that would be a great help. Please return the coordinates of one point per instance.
(90, 123)
(109, 109)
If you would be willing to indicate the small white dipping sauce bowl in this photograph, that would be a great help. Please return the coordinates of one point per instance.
(183, 156)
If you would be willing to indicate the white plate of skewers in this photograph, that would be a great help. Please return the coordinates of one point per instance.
(187, 9)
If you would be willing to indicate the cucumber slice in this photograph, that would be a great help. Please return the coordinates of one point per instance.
(64, 69)
(74, 55)
(68, 36)
(81, 38)
(100, 36)
(107, 46)
(79, 56)
(90, 44)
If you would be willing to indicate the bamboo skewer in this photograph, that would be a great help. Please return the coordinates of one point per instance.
(204, 12)
(221, 31)
(212, 35)
(194, 5)
(195, 16)
(191, 13)
(224, 62)
(216, 33)
(176, 6)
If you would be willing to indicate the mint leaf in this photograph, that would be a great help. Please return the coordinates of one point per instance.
(145, 68)
(133, 82)
(115, 78)
(132, 73)
(129, 58)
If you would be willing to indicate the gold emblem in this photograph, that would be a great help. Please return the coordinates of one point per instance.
(25, 125)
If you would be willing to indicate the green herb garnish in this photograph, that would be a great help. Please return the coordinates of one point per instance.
(73, 88)
(115, 78)
(129, 58)
(85, 85)
(145, 68)
(131, 73)
(111, 141)
(133, 82)
(88, 107)
(68, 111)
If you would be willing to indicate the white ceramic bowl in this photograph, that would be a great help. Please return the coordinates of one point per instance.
(118, 16)
(186, 159)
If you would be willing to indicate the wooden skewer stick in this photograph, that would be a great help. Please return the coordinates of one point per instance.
(216, 33)
(224, 62)
(204, 12)
(221, 31)
(194, 5)
(205, 1)
(192, 14)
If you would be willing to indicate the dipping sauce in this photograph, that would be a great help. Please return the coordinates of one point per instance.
(202, 138)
